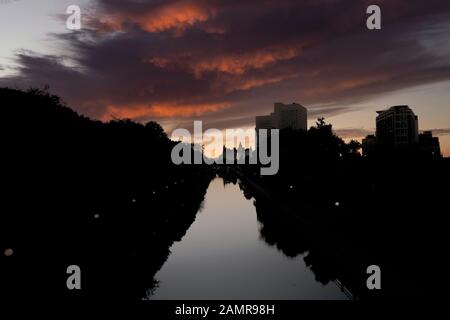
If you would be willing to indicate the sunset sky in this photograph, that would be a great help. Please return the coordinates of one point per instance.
(226, 61)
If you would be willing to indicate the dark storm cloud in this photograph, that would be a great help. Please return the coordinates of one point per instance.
(224, 61)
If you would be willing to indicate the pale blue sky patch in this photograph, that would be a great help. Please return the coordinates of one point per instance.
(26, 24)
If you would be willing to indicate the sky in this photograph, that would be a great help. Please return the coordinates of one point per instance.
(226, 61)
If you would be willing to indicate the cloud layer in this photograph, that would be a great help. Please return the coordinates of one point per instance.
(225, 61)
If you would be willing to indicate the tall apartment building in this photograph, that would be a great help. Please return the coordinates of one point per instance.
(397, 126)
(284, 116)
(430, 144)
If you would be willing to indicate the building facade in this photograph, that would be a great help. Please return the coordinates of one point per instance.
(264, 122)
(397, 126)
(284, 116)
(397, 129)
(369, 145)
(430, 144)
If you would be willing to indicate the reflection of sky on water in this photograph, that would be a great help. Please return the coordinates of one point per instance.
(223, 257)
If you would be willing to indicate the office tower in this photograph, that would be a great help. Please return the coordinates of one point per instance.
(284, 116)
(397, 126)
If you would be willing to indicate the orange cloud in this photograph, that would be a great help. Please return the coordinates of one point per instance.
(233, 64)
(239, 63)
(232, 84)
(178, 16)
(160, 110)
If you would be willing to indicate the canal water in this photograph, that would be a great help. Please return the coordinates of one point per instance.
(223, 256)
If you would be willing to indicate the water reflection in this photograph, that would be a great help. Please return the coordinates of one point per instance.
(226, 254)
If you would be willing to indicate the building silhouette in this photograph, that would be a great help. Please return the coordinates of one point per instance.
(397, 129)
(284, 116)
(369, 145)
(397, 126)
(430, 144)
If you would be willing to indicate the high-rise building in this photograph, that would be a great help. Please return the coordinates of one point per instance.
(397, 126)
(430, 144)
(284, 116)
(369, 145)
(264, 122)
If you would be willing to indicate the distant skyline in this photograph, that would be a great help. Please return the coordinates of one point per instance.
(227, 61)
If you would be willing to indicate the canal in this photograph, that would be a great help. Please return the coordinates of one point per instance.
(224, 256)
